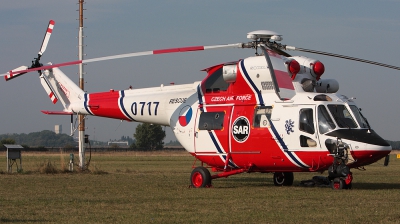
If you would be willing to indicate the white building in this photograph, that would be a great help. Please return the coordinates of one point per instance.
(58, 129)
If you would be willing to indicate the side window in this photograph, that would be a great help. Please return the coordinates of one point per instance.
(211, 121)
(262, 115)
(306, 122)
(307, 142)
(215, 82)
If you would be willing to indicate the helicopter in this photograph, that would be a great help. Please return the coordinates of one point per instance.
(268, 113)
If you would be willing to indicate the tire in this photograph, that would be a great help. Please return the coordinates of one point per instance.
(283, 178)
(200, 177)
(338, 184)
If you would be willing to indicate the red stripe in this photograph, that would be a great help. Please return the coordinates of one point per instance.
(176, 50)
(105, 104)
(7, 77)
(49, 30)
(51, 95)
(283, 79)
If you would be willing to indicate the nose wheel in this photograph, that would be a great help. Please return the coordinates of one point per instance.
(340, 183)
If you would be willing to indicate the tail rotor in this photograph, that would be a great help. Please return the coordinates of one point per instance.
(36, 62)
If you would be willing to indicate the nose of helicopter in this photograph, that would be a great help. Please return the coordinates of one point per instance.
(369, 154)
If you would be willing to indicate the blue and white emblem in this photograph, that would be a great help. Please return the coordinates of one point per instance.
(289, 124)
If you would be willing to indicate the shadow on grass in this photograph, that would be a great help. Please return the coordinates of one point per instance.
(268, 183)
(375, 186)
(232, 182)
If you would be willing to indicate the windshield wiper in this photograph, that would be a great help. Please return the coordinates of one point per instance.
(365, 119)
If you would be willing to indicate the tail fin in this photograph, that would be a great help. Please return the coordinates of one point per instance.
(60, 88)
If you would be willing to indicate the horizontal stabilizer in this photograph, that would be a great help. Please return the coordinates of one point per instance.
(56, 112)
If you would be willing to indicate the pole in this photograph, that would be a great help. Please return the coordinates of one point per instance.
(81, 85)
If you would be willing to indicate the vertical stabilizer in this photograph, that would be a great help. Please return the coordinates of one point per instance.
(60, 88)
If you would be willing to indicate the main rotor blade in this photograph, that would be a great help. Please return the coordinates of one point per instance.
(47, 37)
(163, 51)
(341, 56)
(143, 53)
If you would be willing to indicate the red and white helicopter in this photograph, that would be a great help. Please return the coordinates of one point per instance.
(269, 113)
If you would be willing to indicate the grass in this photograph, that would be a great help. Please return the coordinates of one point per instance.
(150, 188)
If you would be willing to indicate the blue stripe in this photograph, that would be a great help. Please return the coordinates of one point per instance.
(290, 154)
(85, 104)
(220, 150)
(251, 82)
(121, 103)
(199, 96)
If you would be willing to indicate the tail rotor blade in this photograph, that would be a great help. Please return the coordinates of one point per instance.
(14, 73)
(23, 69)
(46, 37)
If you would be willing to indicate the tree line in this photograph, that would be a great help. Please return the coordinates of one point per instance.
(44, 138)
(146, 137)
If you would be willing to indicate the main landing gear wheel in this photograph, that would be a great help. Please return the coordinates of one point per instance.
(200, 177)
(283, 178)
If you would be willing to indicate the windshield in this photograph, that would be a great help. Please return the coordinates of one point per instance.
(325, 122)
(360, 118)
(342, 116)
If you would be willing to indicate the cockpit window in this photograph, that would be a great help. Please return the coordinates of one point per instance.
(215, 82)
(325, 122)
(306, 122)
(342, 116)
(359, 117)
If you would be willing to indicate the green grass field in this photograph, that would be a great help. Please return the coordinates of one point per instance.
(154, 188)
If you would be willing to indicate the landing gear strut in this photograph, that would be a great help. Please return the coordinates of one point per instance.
(339, 173)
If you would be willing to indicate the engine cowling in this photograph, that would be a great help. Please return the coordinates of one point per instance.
(310, 66)
(327, 86)
(229, 73)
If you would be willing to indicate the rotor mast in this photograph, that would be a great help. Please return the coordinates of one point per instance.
(81, 85)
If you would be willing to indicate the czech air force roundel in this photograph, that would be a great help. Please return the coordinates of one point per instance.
(185, 115)
(241, 129)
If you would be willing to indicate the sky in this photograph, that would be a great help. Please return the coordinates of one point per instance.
(368, 29)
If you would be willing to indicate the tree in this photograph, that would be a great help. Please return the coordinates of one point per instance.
(7, 141)
(149, 136)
